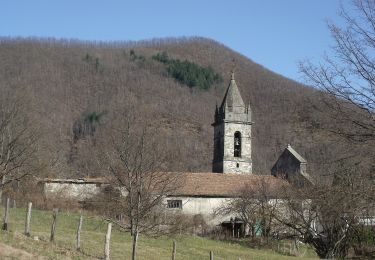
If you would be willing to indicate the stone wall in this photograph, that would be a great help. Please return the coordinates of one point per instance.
(71, 191)
(288, 167)
(233, 164)
(224, 160)
(204, 206)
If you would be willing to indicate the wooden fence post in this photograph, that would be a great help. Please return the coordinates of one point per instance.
(78, 244)
(174, 250)
(6, 215)
(28, 219)
(211, 255)
(107, 240)
(53, 227)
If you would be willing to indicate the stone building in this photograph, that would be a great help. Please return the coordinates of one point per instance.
(72, 189)
(292, 167)
(232, 133)
(203, 193)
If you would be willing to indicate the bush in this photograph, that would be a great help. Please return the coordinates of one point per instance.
(363, 241)
(187, 224)
(106, 203)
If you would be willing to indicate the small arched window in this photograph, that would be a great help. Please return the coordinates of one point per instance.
(237, 144)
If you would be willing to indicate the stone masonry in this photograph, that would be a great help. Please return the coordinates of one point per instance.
(232, 133)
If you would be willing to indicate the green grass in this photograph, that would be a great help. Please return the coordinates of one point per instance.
(92, 237)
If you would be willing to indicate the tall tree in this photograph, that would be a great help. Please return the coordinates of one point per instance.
(327, 216)
(18, 139)
(256, 206)
(347, 80)
(136, 162)
(348, 74)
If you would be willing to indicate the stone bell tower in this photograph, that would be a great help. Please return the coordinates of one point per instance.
(232, 133)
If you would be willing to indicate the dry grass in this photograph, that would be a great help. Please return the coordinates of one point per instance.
(188, 247)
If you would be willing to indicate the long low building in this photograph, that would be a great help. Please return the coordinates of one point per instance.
(205, 193)
(71, 189)
(194, 194)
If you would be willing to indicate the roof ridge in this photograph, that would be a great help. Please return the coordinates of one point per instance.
(296, 154)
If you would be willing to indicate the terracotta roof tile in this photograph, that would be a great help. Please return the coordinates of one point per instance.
(204, 184)
(75, 181)
(223, 184)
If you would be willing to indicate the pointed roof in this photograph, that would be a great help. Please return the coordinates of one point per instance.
(295, 154)
(232, 96)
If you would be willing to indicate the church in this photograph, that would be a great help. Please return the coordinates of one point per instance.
(202, 193)
(232, 164)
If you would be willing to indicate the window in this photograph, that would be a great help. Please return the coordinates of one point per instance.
(174, 204)
(237, 144)
(238, 165)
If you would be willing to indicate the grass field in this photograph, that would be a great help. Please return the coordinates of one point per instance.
(92, 237)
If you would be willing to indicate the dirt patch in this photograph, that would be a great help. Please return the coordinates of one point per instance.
(13, 253)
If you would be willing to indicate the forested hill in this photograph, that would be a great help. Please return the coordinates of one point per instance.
(74, 89)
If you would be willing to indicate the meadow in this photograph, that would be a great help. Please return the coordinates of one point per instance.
(93, 234)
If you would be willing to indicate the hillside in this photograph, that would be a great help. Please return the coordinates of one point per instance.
(67, 83)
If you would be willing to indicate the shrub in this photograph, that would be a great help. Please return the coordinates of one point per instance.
(187, 224)
(363, 241)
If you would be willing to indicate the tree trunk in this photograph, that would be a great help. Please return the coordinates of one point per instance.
(6, 215)
(131, 226)
(135, 243)
(2, 181)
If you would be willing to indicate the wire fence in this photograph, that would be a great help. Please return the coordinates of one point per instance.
(92, 238)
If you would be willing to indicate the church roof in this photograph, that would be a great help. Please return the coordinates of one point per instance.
(82, 181)
(232, 96)
(201, 184)
(224, 184)
(295, 154)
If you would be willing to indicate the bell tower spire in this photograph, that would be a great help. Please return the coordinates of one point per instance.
(232, 133)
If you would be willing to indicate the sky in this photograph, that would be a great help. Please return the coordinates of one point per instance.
(274, 33)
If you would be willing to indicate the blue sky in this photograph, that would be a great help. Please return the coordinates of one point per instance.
(274, 33)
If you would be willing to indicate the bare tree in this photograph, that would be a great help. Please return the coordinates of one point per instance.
(17, 140)
(348, 75)
(256, 206)
(135, 163)
(347, 80)
(327, 216)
